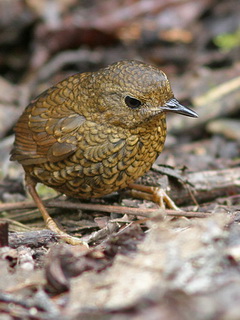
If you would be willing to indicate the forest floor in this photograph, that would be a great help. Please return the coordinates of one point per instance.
(143, 262)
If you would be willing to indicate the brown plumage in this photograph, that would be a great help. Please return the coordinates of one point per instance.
(95, 133)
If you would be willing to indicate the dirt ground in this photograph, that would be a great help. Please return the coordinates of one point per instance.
(143, 262)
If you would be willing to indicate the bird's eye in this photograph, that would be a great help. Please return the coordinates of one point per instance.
(132, 102)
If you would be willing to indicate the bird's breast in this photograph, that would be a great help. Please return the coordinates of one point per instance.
(150, 142)
(106, 159)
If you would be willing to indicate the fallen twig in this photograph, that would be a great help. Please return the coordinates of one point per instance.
(144, 212)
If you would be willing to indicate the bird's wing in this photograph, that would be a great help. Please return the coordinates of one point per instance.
(47, 130)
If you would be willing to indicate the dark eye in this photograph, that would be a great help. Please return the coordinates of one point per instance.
(132, 102)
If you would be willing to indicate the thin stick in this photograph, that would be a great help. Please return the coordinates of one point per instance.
(102, 208)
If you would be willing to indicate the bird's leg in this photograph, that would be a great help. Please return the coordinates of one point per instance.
(50, 224)
(155, 194)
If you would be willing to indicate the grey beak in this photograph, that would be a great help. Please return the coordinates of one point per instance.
(173, 105)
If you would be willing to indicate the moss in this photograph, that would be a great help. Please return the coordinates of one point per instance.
(227, 41)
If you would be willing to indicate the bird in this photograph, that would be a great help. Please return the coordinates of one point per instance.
(95, 133)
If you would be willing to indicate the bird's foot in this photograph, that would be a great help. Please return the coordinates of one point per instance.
(50, 223)
(162, 198)
(155, 194)
(74, 241)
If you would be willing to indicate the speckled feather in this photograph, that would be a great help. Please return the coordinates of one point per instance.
(82, 139)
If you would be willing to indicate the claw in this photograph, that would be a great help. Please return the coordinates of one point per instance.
(161, 197)
(157, 195)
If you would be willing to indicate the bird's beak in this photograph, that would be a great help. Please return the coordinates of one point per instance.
(173, 105)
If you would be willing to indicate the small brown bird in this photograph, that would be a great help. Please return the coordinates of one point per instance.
(95, 133)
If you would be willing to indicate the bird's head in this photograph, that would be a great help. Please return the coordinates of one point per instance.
(130, 93)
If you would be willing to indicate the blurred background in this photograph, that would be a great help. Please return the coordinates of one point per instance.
(195, 42)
